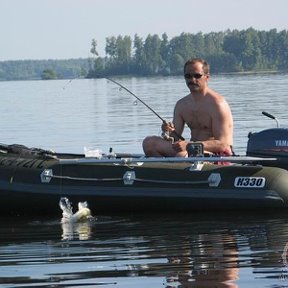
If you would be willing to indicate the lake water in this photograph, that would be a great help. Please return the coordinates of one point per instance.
(192, 250)
(68, 115)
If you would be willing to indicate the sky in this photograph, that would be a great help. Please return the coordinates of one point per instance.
(64, 29)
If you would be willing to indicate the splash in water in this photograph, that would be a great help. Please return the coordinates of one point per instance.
(83, 213)
(77, 224)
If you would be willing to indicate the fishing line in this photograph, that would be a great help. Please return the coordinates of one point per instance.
(140, 100)
(126, 89)
(64, 87)
(70, 80)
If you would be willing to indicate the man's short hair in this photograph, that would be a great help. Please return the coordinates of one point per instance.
(206, 66)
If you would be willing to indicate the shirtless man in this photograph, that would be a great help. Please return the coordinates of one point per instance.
(205, 112)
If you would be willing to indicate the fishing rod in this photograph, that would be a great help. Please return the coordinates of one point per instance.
(140, 100)
(126, 89)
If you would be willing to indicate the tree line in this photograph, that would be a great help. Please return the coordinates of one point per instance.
(43, 69)
(229, 51)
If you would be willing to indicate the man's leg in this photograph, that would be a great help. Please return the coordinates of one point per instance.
(155, 146)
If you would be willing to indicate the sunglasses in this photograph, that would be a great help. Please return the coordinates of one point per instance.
(195, 75)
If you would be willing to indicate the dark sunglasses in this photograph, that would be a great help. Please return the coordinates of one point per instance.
(195, 75)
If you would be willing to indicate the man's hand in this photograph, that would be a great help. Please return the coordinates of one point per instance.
(167, 127)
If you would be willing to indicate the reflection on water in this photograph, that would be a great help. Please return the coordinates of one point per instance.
(220, 250)
(76, 224)
(79, 230)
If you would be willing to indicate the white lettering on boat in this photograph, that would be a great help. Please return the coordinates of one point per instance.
(249, 182)
(281, 143)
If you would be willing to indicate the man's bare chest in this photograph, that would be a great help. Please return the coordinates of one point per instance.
(197, 118)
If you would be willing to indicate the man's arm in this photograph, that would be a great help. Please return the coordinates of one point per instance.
(222, 128)
(178, 120)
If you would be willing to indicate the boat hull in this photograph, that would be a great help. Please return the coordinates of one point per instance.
(30, 185)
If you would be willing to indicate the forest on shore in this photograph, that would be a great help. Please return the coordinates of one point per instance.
(43, 69)
(230, 51)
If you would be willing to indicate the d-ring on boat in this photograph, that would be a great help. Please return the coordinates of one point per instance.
(33, 180)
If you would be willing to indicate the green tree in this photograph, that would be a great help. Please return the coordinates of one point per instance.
(213, 43)
(198, 44)
(283, 50)
(176, 64)
(93, 49)
(165, 54)
(48, 74)
(234, 44)
(272, 46)
(139, 55)
(251, 56)
(153, 61)
(245, 46)
(181, 47)
(119, 53)
(124, 52)
(96, 63)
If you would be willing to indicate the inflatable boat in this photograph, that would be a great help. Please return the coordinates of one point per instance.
(34, 180)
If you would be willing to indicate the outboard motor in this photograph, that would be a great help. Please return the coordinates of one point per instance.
(270, 143)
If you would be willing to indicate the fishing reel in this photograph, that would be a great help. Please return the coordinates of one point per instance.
(172, 136)
(166, 136)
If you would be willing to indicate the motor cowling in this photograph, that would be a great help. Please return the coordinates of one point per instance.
(269, 143)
